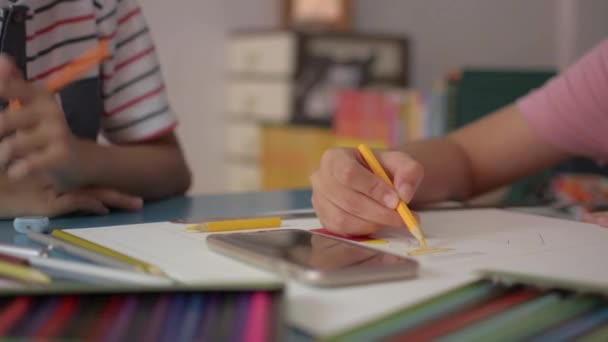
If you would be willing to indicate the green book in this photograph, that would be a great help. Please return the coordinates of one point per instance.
(479, 92)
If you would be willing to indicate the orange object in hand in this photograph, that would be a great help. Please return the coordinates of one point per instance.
(70, 72)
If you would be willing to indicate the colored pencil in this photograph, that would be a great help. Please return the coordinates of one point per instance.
(18, 251)
(157, 317)
(598, 335)
(78, 66)
(57, 319)
(174, 316)
(576, 328)
(85, 318)
(243, 310)
(481, 331)
(121, 324)
(223, 330)
(171, 316)
(22, 273)
(13, 259)
(38, 316)
(418, 314)
(13, 312)
(90, 273)
(57, 244)
(139, 320)
(235, 225)
(209, 319)
(91, 246)
(257, 327)
(191, 319)
(106, 318)
(85, 272)
(467, 317)
(406, 215)
(72, 70)
(526, 327)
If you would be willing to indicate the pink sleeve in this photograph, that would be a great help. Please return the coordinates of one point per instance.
(571, 110)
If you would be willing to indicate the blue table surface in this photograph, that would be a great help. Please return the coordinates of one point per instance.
(191, 208)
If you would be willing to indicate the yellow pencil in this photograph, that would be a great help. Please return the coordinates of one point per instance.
(22, 273)
(234, 225)
(406, 215)
(75, 240)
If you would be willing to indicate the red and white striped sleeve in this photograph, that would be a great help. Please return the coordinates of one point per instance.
(134, 96)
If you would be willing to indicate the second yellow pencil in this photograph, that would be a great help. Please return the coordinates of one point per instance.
(234, 225)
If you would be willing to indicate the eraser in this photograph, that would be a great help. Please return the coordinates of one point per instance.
(37, 224)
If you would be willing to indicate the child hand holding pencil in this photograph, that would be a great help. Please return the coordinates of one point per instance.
(351, 200)
(41, 157)
(35, 136)
(54, 134)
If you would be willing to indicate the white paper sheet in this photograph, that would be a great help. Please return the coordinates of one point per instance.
(479, 239)
(183, 255)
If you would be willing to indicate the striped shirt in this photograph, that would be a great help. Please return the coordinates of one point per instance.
(124, 99)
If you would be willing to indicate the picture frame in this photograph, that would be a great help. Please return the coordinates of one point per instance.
(326, 15)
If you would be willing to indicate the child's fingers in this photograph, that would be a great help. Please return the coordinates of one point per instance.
(339, 221)
(25, 153)
(407, 173)
(72, 202)
(41, 109)
(342, 167)
(36, 161)
(23, 119)
(12, 84)
(21, 144)
(39, 161)
(116, 199)
(19, 169)
(355, 203)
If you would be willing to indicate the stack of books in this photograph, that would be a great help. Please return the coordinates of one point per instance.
(289, 78)
(390, 117)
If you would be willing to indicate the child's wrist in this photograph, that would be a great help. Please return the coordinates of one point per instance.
(83, 168)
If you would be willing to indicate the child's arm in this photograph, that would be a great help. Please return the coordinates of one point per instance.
(152, 169)
(350, 199)
(566, 117)
(500, 149)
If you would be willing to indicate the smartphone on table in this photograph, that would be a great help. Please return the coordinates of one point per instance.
(312, 258)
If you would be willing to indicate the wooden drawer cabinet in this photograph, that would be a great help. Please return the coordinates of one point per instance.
(265, 70)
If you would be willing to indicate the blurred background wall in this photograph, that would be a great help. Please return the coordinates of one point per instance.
(191, 35)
